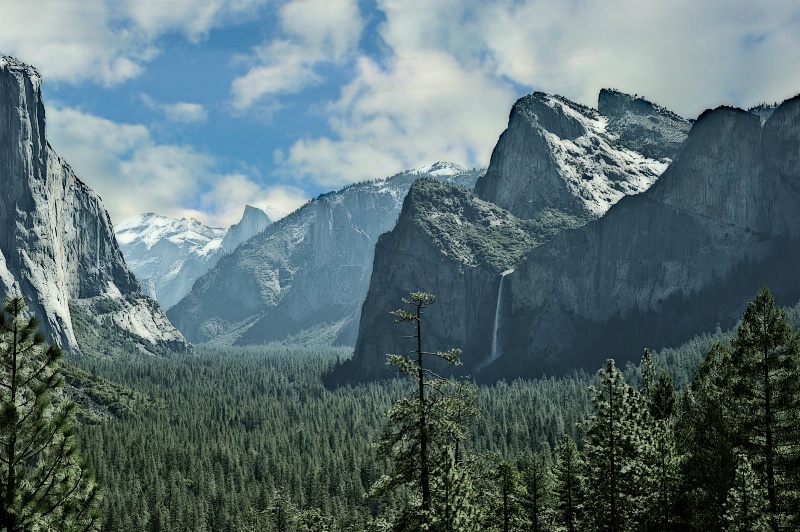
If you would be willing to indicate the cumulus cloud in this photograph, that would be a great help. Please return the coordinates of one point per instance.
(105, 41)
(182, 112)
(170, 180)
(404, 115)
(450, 69)
(314, 32)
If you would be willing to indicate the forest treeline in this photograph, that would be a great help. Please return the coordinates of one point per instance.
(702, 437)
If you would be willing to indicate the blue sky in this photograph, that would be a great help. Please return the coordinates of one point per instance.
(198, 107)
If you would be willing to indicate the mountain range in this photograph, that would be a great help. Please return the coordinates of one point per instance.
(593, 233)
(305, 277)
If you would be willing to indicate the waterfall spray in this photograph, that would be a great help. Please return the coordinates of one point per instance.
(495, 353)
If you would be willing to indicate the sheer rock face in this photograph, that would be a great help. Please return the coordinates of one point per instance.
(556, 154)
(57, 244)
(306, 275)
(658, 267)
(686, 255)
(253, 221)
(451, 243)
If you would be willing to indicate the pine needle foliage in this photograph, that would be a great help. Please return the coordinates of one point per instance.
(424, 428)
(44, 484)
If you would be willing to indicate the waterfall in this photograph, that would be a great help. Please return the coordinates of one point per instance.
(495, 353)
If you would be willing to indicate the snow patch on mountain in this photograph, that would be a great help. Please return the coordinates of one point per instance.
(595, 167)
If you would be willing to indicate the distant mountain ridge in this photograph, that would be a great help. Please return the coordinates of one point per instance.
(657, 268)
(167, 255)
(305, 276)
(57, 244)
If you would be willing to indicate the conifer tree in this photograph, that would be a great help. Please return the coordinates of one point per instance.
(659, 395)
(568, 474)
(746, 507)
(706, 435)
(507, 511)
(423, 425)
(44, 484)
(537, 500)
(619, 457)
(766, 389)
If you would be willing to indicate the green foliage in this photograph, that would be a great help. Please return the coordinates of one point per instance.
(619, 458)
(746, 508)
(537, 500)
(425, 429)
(44, 484)
(221, 439)
(477, 232)
(568, 485)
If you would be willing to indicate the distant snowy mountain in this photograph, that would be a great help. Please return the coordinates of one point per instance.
(306, 275)
(168, 255)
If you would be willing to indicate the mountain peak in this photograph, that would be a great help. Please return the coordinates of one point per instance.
(440, 168)
(15, 65)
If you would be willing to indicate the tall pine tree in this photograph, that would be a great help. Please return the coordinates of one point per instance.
(44, 484)
(424, 428)
(568, 492)
(766, 389)
(619, 456)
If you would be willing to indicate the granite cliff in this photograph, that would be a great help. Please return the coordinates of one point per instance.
(57, 244)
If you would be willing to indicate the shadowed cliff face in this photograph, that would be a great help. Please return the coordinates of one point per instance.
(57, 246)
(672, 262)
(659, 267)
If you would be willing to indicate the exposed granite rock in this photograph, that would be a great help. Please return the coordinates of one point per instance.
(306, 274)
(659, 267)
(559, 155)
(57, 244)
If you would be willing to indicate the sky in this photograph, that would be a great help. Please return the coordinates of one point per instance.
(194, 108)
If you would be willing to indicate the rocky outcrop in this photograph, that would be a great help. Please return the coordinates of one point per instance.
(57, 244)
(556, 167)
(556, 154)
(304, 277)
(253, 221)
(642, 126)
(450, 243)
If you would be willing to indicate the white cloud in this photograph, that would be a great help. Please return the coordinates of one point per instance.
(683, 54)
(418, 110)
(134, 174)
(285, 68)
(105, 41)
(230, 193)
(183, 112)
(315, 32)
(443, 87)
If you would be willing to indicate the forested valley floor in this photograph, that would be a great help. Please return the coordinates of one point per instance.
(249, 439)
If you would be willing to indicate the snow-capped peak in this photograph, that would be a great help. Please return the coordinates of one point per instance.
(149, 229)
(439, 169)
